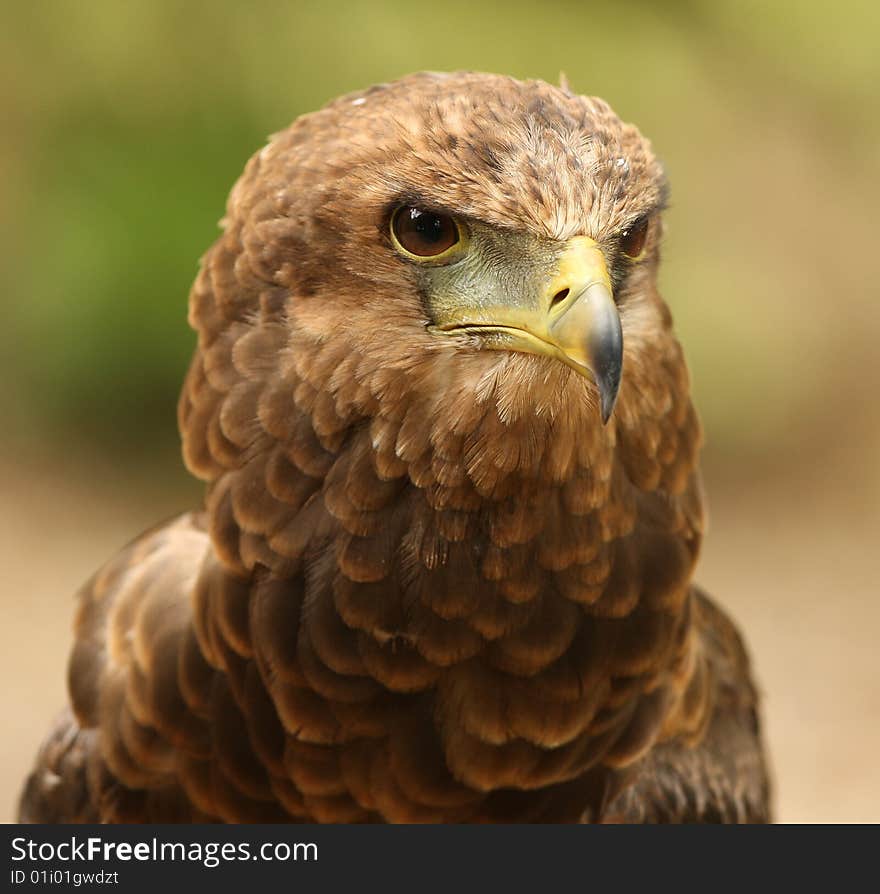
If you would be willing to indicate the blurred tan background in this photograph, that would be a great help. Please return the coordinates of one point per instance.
(122, 128)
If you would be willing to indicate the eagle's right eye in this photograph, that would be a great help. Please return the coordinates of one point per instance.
(419, 233)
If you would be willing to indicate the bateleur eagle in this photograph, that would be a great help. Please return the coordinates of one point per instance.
(443, 568)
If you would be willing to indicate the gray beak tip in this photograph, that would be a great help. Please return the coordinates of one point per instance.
(609, 385)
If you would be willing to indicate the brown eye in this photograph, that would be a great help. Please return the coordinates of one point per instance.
(632, 242)
(424, 234)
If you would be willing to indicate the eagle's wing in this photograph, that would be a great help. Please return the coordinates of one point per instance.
(129, 661)
(57, 789)
(723, 778)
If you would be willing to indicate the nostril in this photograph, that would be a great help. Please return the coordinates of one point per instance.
(559, 296)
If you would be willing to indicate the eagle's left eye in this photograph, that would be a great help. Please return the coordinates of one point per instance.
(632, 241)
(424, 234)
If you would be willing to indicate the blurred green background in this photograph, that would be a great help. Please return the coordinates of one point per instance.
(124, 124)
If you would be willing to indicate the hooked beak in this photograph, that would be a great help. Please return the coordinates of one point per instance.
(571, 317)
